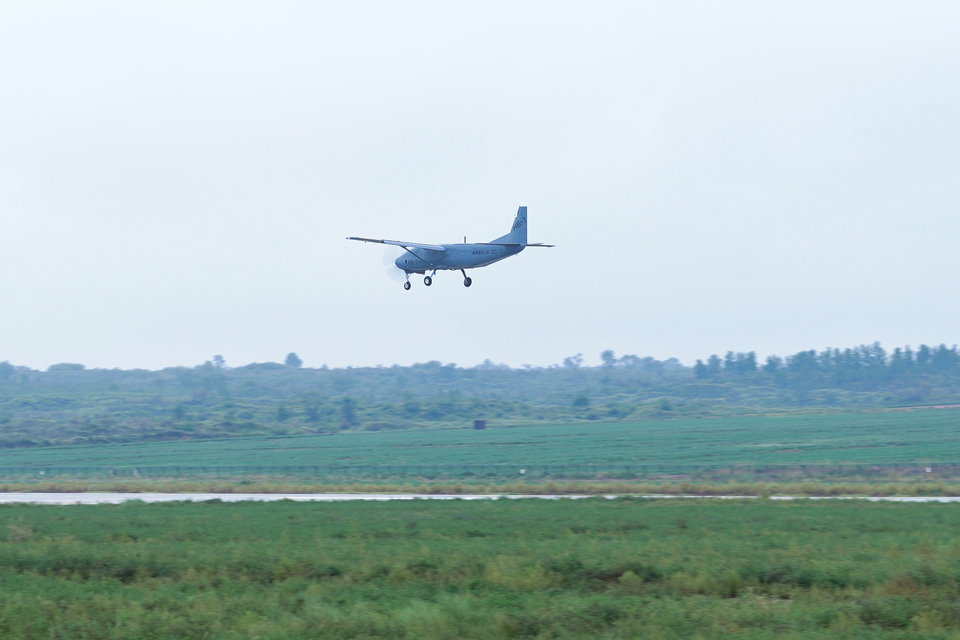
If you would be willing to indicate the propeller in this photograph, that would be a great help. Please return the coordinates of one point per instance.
(390, 255)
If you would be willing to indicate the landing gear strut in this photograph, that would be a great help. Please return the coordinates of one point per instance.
(467, 281)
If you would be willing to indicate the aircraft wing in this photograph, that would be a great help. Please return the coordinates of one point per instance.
(401, 243)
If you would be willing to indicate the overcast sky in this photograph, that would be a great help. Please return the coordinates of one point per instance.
(177, 179)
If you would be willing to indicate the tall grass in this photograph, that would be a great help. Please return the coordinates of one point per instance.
(623, 568)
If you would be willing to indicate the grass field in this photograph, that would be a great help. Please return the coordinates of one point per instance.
(931, 435)
(626, 568)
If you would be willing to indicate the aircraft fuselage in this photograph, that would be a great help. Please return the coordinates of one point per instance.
(456, 257)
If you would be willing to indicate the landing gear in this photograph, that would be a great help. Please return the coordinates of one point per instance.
(406, 285)
(466, 280)
(427, 280)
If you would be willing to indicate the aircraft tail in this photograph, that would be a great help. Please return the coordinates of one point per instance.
(518, 232)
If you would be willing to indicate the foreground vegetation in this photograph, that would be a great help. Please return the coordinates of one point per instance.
(623, 568)
(68, 404)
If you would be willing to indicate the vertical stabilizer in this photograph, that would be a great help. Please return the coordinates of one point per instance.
(518, 232)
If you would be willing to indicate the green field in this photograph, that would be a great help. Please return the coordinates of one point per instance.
(931, 435)
(626, 568)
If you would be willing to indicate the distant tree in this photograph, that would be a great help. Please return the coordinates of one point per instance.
(729, 362)
(219, 362)
(608, 358)
(898, 364)
(713, 365)
(631, 361)
(774, 364)
(874, 356)
(803, 363)
(701, 371)
(945, 359)
(292, 360)
(908, 358)
(923, 356)
(66, 366)
(6, 370)
(827, 359)
(846, 366)
(573, 362)
(657, 368)
(740, 362)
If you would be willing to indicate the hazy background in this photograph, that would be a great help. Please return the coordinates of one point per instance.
(177, 179)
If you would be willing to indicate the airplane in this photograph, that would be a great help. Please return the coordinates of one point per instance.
(420, 258)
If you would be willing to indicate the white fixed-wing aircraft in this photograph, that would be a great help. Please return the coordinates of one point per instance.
(421, 258)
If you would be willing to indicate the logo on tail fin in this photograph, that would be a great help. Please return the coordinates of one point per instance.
(518, 232)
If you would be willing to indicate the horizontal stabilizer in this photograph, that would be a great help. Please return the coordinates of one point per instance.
(401, 243)
(539, 244)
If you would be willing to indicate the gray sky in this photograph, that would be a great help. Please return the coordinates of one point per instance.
(177, 179)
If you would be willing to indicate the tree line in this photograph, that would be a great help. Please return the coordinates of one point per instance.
(856, 367)
(69, 403)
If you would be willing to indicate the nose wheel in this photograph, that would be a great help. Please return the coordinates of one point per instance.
(427, 280)
(406, 285)
(467, 282)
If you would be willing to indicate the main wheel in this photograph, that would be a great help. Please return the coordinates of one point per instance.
(406, 286)
(467, 282)
(427, 280)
